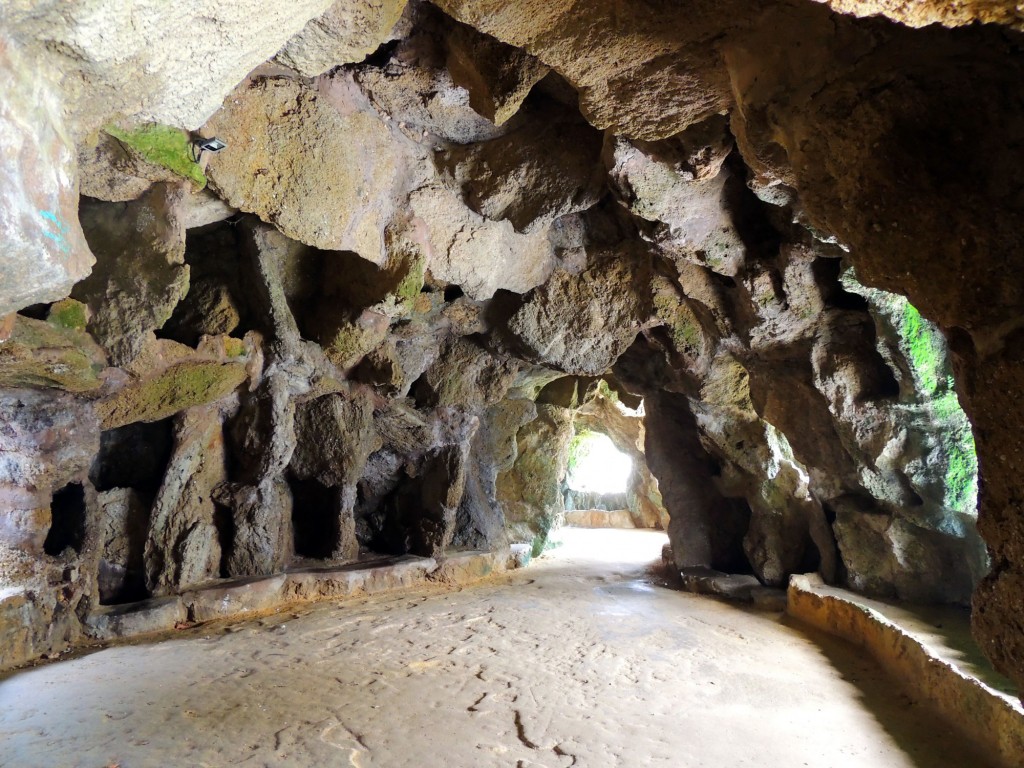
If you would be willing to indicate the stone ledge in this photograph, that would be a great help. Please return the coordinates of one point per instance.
(732, 586)
(599, 518)
(133, 619)
(244, 598)
(993, 720)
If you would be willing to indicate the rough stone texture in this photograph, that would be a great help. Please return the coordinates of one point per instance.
(182, 547)
(48, 441)
(44, 251)
(123, 521)
(415, 91)
(919, 14)
(531, 176)
(582, 323)
(346, 32)
(498, 76)
(530, 490)
(478, 255)
(152, 61)
(334, 438)
(45, 354)
(169, 390)
(656, 71)
(108, 170)
(318, 164)
(599, 518)
(140, 274)
(494, 450)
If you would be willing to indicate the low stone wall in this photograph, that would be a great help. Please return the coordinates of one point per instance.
(992, 719)
(245, 598)
(599, 518)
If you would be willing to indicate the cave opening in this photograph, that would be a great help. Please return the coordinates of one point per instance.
(315, 519)
(67, 527)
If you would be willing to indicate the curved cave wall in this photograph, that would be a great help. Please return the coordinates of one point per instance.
(368, 324)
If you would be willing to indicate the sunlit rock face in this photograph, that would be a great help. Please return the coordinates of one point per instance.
(370, 323)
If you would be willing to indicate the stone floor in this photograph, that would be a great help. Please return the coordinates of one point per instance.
(580, 660)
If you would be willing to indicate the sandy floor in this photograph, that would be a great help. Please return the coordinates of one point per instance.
(580, 660)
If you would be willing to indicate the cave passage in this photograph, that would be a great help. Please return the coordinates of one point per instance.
(311, 301)
(583, 659)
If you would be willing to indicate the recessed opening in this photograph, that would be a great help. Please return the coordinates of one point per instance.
(315, 518)
(453, 292)
(67, 528)
(596, 465)
(134, 456)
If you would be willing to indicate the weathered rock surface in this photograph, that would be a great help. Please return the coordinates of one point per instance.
(657, 71)
(582, 323)
(44, 251)
(480, 256)
(346, 32)
(920, 14)
(124, 522)
(182, 546)
(498, 76)
(48, 443)
(48, 354)
(531, 176)
(140, 274)
(318, 164)
(530, 490)
(155, 62)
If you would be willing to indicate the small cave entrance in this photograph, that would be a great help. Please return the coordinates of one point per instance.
(315, 519)
(67, 527)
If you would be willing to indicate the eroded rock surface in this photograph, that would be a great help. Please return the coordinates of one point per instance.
(432, 239)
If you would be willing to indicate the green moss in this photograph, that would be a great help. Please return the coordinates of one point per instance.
(234, 347)
(961, 479)
(179, 387)
(68, 314)
(925, 348)
(41, 354)
(580, 447)
(350, 343)
(686, 331)
(410, 286)
(165, 146)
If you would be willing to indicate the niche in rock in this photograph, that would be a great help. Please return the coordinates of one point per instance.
(214, 302)
(67, 527)
(315, 519)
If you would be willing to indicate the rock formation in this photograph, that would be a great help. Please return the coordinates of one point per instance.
(440, 234)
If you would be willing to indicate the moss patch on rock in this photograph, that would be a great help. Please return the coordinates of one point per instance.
(162, 145)
(42, 354)
(69, 313)
(179, 387)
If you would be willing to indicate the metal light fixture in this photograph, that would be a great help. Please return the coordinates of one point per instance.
(212, 145)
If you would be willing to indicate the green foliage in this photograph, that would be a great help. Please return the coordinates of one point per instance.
(926, 349)
(607, 392)
(961, 479)
(580, 448)
(165, 146)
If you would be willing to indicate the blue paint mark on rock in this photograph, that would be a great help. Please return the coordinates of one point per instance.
(54, 222)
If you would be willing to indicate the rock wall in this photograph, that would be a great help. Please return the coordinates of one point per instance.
(354, 329)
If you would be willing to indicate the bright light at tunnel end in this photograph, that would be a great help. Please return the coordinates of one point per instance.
(600, 466)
